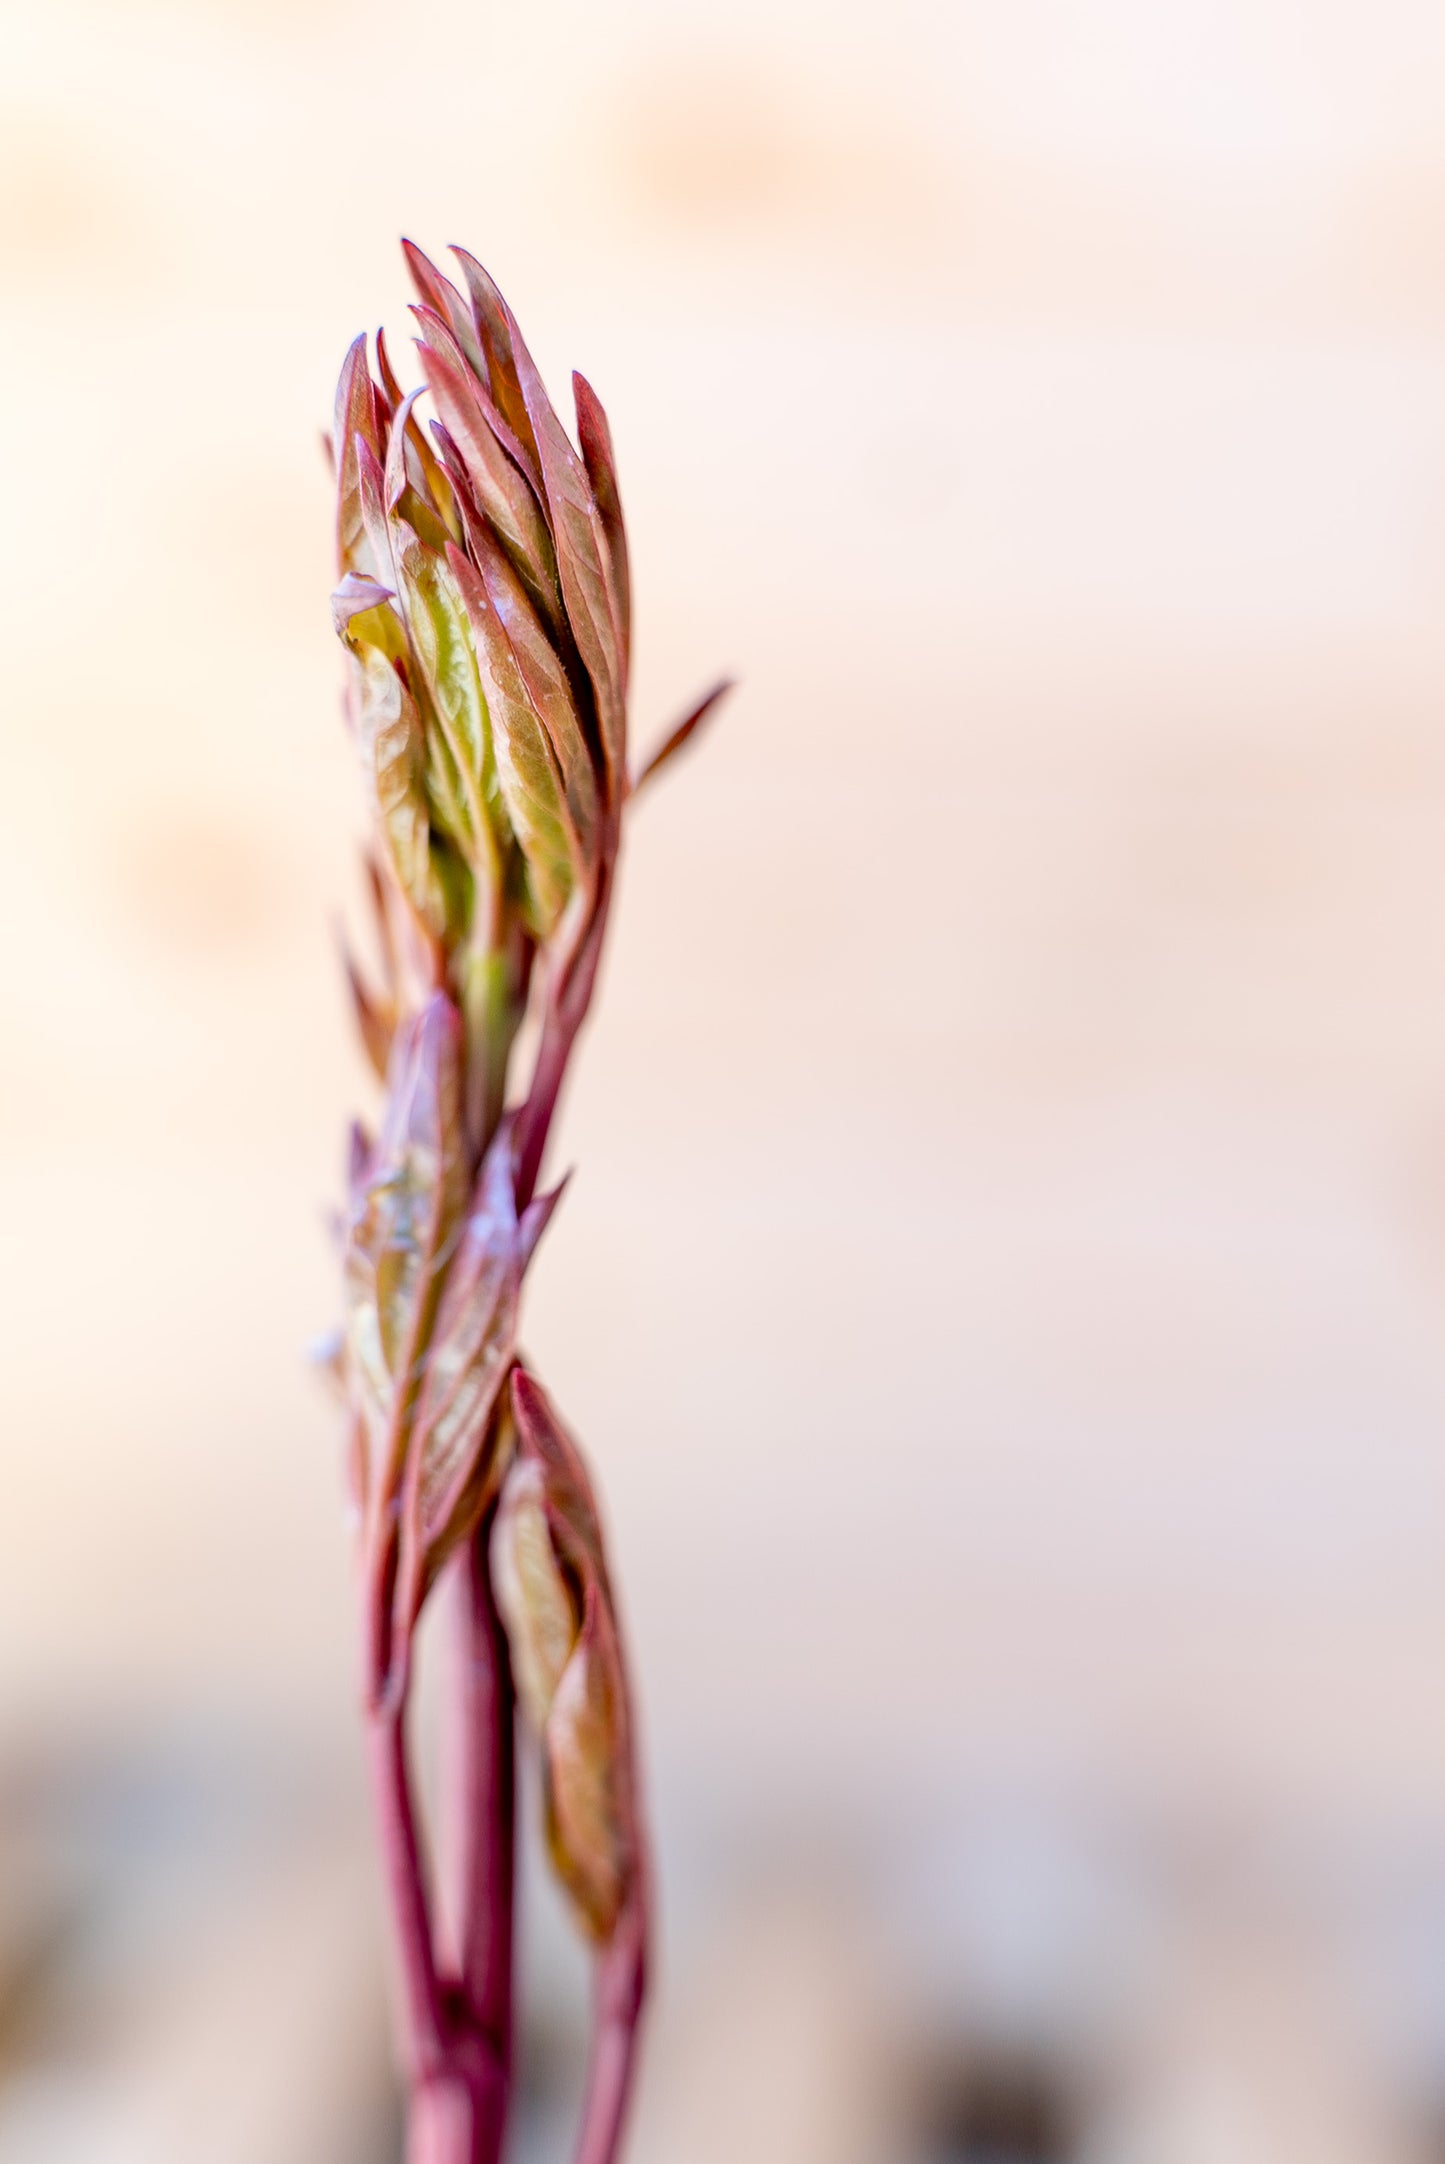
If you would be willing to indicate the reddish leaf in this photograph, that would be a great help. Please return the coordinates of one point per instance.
(502, 492)
(582, 560)
(595, 437)
(526, 768)
(545, 678)
(356, 425)
(492, 322)
(401, 1221)
(679, 735)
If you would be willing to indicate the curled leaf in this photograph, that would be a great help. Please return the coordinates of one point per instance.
(550, 1578)
(356, 425)
(493, 327)
(588, 1782)
(442, 643)
(468, 1355)
(547, 684)
(389, 733)
(357, 596)
(583, 561)
(527, 773)
(490, 457)
(532, 1592)
(442, 298)
(405, 1204)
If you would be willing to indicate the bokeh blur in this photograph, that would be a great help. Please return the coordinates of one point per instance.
(1003, 1289)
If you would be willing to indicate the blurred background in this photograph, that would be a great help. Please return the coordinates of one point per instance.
(1003, 1289)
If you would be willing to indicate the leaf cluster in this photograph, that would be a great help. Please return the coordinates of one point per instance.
(484, 607)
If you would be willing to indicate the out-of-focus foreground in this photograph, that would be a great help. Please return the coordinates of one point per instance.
(1004, 1288)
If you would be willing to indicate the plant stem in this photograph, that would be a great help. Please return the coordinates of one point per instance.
(617, 2012)
(477, 1827)
(422, 2015)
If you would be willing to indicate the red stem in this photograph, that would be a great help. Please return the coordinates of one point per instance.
(617, 2011)
(454, 2020)
(422, 2018)
(478, 1815)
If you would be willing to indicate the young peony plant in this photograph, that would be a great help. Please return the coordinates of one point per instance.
(484, 606)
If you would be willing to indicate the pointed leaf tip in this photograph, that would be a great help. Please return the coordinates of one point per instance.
(677, 736)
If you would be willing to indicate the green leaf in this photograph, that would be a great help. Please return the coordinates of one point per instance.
(441, 641)
(527, 771)
(389, 734)
(546, 682)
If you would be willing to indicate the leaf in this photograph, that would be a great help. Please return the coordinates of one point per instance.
(425, 474)
(537, 1217)
(588, 1778)
(527, 771)
(680, 734)
(470, 1350)
(389, 734)
(595, 437)
(442, 298)
(492, 322)
(355, 596)
(441, 640)
(389, 393)
(542, 1438)
(545, 679)
(550, 1578)
(503, 493)
(532, 1594)
(403, 1213)
(356, 425)
(371, 496)
(593, 609)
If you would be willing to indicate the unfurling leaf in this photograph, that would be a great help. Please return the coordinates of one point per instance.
(393, 750)
(453, 1470)
(493, 326)
(550, 1577)
(486, 447)
(588, 1782)
(441, 640)
(544, 677)
(583, 561)
(356, 425)
(532, 1592)
(406, 1200)
(526, 769)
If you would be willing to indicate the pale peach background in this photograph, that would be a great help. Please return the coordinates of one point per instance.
(1004, 1284)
